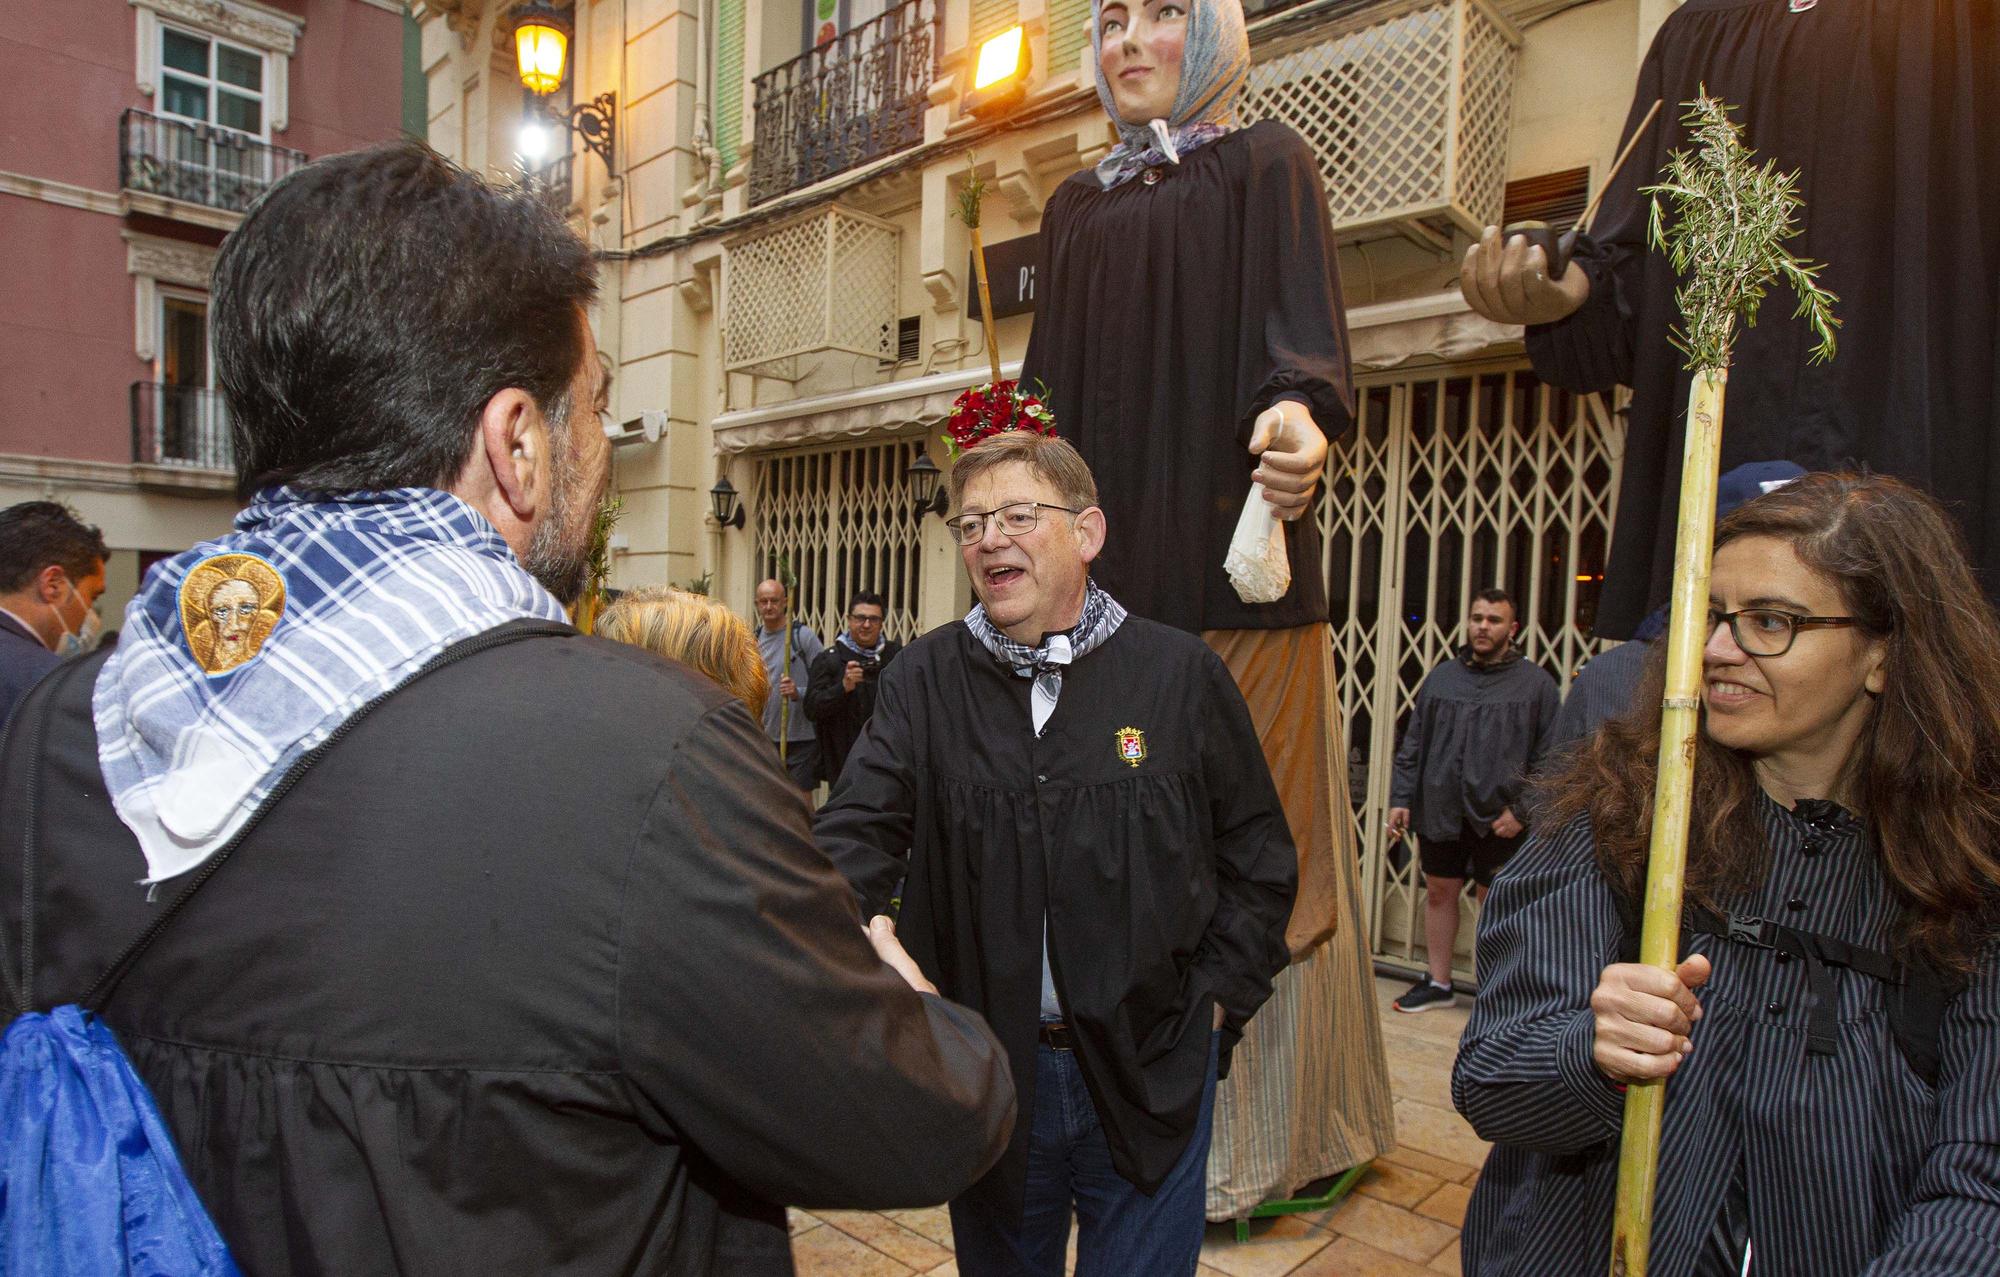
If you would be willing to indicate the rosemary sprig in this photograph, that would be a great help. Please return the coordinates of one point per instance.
(1731, 219)
(969, 196)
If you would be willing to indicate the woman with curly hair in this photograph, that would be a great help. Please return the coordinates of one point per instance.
(1833, 1031)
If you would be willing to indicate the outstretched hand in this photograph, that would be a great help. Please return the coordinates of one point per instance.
(1644, 1017)
(1291, 455)
(881, 931)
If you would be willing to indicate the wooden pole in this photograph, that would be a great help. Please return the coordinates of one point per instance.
(985, 304)
(1666, 864)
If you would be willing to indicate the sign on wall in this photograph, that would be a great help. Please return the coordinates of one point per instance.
(1010, 276)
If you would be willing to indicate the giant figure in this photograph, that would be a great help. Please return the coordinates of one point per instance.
(1191, 338)
(1890, 112)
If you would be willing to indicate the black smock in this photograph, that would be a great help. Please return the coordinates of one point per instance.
(1166, 882)
(1890, 112)
(536, 971)
(1175, 308)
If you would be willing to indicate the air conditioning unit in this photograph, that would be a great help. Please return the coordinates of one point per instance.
(1407, 104)
(822, 284)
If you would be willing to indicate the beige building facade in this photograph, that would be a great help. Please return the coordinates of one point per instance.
(789, 306)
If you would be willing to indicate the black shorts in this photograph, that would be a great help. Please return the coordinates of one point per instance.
(1480, 854)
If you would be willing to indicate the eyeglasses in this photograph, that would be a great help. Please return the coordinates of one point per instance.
(1015, 520)
(863, 618)
(1763, 631)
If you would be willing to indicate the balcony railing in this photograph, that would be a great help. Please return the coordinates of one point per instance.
(856, 98)
(180, 426)
(198, 163)
(553, 181)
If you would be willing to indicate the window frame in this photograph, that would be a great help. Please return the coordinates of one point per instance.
(212, 81)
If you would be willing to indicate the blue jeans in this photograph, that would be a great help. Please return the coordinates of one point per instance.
(1122, 1232)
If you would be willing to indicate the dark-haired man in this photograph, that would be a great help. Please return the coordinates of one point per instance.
(51, 572)
(490, 948)
(840, 694)
(1481, 722)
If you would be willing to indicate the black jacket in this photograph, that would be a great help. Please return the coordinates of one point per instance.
(838, 714)
(1166, 873)
(24, 659)
(536, 971)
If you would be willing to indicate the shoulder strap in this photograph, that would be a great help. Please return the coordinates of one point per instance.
(108, 981)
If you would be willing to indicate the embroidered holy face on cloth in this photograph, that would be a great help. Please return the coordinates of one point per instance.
(229, 605)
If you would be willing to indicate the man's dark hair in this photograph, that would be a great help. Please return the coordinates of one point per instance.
(869, 597)
(1496, 595)
(370, 305)
(35, 534)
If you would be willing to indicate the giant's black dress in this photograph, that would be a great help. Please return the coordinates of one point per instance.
(1177, 309)
(1890, 111)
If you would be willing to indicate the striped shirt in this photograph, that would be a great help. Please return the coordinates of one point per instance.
(1852, 1163)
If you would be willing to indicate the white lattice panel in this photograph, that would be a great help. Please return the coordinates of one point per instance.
(842, 520)
(823, 284)
(1450, 483)
(1407, 108)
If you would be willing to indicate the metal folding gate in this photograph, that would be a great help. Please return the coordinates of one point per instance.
(841, 519)
(1454, 480)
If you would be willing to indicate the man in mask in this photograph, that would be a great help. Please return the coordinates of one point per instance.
(51, 572)
(484, 946)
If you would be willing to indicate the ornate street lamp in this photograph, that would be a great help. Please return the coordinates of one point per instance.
(923, 475)
(728, 510)
(541, 52)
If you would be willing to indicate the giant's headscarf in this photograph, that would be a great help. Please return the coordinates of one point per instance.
(1215, 63)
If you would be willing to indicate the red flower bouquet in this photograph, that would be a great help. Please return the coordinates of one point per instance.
(994, 408)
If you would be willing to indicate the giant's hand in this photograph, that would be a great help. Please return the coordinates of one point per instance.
(1643, 1017)
(1509, 283)
(1291, 454)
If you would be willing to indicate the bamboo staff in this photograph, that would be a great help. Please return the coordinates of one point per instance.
(788, 579)
(1731, 219)
(969, 198)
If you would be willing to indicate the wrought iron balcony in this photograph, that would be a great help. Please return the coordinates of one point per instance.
(198, 163)
(856, 98)
(553, 182)
(180, 426)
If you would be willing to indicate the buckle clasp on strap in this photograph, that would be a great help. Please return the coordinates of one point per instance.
(1755, 932)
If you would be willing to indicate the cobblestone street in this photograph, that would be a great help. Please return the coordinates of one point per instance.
(1402, 1220)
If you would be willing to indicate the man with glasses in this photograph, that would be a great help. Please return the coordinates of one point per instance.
(840, 688)
(1073, 806)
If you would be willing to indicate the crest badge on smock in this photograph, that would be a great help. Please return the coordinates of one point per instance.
(229, 604)
(1131, 746)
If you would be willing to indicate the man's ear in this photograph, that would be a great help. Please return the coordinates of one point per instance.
(1090, 533)
(49, 583)
(506, 476)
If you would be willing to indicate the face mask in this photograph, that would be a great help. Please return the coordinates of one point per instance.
(85, 636)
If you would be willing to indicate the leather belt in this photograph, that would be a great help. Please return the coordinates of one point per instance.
(1058, 1035)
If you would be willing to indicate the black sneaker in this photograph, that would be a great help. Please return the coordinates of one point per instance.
(1425, 996)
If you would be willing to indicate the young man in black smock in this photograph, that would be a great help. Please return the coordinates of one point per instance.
(1090, 851)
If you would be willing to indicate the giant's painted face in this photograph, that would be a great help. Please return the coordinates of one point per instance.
(1140, 43)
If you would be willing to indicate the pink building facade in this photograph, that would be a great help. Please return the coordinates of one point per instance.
(142, 131)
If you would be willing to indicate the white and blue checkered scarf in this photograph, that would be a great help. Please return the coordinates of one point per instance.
(1215, 64)
(1045, 662)
(376, 583)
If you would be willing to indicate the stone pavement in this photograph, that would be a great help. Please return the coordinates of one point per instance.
(1401, 1221)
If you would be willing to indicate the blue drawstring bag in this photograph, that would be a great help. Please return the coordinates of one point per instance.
(90, 1184)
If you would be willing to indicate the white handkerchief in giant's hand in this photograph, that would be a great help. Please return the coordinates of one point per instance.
(1257, 563)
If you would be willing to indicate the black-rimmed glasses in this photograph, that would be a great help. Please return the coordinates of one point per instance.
(1766, 631)
(1015, 520)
